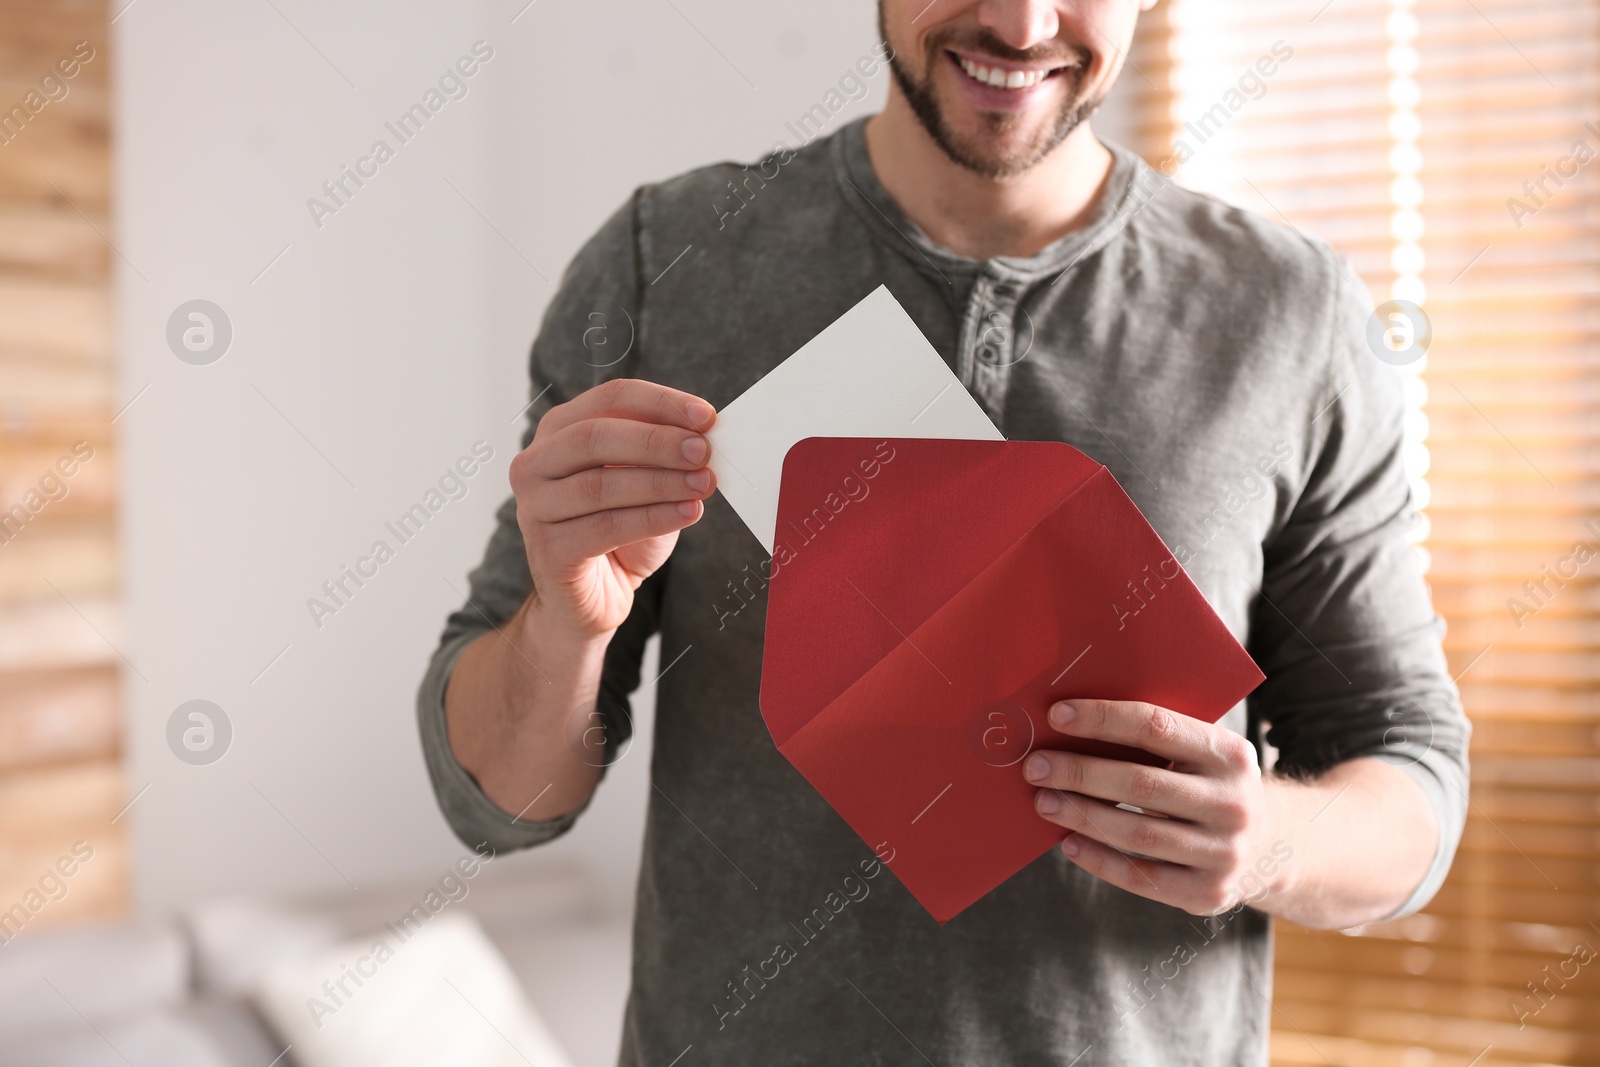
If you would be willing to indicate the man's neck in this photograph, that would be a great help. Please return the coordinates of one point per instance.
(974, 215)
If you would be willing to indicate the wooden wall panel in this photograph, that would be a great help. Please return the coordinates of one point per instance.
(60, 776)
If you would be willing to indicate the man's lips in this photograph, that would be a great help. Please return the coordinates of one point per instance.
(996, 74)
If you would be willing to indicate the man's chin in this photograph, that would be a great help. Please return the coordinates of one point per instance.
(999, 145)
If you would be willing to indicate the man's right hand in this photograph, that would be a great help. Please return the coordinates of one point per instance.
(602, 490)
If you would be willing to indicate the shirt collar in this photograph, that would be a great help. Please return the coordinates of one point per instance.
(861, 189)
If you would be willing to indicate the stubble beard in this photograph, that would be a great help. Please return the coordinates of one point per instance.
(980, 155)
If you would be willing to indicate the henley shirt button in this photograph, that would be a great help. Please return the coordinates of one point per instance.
(989, 354)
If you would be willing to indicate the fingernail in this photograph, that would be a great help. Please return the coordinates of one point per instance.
(688, 508)
(1070, 845)
(699, 413)
(1061, 715)
(698, 480)
(1038, 767)
(695, 449)
(1048, 803)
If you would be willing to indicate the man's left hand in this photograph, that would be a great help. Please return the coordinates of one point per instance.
(1203, 823)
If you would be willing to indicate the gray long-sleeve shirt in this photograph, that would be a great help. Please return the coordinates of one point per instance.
(1216, 363)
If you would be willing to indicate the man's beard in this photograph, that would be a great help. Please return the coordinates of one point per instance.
(976, 155)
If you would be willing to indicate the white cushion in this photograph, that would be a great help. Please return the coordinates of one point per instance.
(238, 940)
(438, 997)
(104, 970)
(201, 1034)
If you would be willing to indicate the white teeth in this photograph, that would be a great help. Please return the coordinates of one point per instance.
(1000, 79)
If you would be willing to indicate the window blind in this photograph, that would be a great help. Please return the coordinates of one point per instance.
(1451, 150)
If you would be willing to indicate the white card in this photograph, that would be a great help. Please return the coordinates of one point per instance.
(870, 374)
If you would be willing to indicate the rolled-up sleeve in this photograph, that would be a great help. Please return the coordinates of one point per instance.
(1344, 628)
(589, 325)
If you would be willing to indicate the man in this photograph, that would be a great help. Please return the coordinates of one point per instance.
(1212, 360)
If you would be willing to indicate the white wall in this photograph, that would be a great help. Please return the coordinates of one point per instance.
(364, 361)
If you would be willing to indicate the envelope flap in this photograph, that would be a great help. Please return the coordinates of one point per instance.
(962, 700)
(874, 536)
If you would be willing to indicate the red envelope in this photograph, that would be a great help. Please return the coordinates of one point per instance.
(929, 600)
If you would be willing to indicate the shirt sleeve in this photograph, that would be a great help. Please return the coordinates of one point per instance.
(588, 335)
(1344, 628)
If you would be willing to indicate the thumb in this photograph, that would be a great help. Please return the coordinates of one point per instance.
(643, 558)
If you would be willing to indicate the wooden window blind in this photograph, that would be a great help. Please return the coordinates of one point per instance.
(1451, 150)
(60, 780)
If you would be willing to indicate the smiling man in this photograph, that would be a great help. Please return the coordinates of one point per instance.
(1213, 361)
